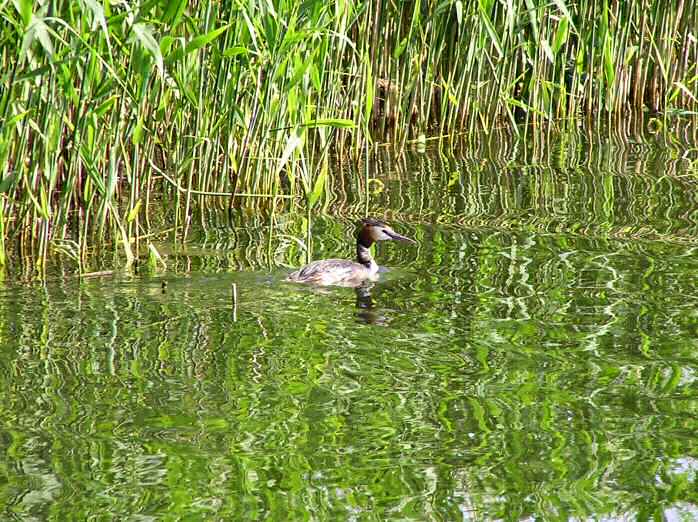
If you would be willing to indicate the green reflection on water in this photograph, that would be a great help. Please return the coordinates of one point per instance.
(536, 355)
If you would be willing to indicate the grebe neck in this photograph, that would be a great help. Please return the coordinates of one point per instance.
(363, 254)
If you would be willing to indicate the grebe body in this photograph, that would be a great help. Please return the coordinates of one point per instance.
(342, 272)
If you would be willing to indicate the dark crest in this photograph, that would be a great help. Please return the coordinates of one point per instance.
(371, 222)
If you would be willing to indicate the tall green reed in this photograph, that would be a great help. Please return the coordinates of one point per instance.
(109, 108)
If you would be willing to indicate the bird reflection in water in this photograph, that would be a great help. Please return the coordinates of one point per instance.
(366, 308)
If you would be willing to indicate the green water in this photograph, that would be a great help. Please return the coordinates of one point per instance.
(534, 357)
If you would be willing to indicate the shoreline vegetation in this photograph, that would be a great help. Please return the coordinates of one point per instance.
(109, 108)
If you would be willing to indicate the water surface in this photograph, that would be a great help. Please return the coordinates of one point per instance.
(535, 356)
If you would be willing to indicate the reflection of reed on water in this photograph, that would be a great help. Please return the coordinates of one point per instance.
(577, 184)
(601, 191)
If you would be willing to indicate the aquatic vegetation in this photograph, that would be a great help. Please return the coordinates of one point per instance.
(109, 108)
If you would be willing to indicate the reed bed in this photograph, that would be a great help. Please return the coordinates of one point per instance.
(109, 108)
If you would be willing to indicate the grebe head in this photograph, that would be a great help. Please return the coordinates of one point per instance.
(376, 230)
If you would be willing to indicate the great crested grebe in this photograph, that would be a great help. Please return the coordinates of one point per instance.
(342, 272)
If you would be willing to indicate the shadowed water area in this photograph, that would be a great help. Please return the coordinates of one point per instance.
(534, 356)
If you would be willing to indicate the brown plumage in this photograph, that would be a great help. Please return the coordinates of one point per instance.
(342, 272)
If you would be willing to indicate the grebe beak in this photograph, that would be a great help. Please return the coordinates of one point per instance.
(397, 237)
